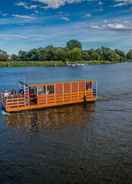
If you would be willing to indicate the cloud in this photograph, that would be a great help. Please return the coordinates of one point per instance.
(24, 17)
(119, 4)
(33, 36)
(95, 26)
(67, 19)
(13, 37)
(122, 2)
(113, 26)
(26, 5)
(54, 3)
(117, 26)
(57, 3)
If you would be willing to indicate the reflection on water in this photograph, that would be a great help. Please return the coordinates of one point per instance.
(51, 118)
(71, 144)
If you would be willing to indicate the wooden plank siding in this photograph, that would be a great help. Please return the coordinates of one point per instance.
(60, 93)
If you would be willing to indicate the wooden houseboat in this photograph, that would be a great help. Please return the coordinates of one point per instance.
(38, 96)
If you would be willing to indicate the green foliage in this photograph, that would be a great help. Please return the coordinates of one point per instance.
(74, 44)
(75, 54)
(71, 53)
(121, 54)
(61, 54)
(3, 55)
(85, 55)
(129, 54)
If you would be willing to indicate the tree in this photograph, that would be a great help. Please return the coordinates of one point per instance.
(74, 44)
(121, 54)
(22, 55)
(61, 54)
(94, 55)
(75, 54)
(114, 57)
(50, 53)
(3, 56)
(14, 57)
(42, 54)
(33, 55)
(107, 54)
(85, 55)
(129, 54)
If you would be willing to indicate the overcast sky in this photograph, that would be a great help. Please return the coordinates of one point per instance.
(26, 24)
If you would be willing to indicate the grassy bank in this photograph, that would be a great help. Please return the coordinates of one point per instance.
(47, 63)
(30, 63)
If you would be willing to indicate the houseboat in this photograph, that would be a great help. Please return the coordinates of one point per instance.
(38, 96)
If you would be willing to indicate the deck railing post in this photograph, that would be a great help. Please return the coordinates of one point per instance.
(26, 96)
(63, 91)
(46, 94)
(85, 86)
(55, 92)
(78, 89)
(71, 91)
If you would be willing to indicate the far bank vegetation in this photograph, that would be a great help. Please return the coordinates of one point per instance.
(72, 53)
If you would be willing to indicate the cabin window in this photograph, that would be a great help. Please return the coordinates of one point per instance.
(41, 90)
(88, 85)
(50, 89)
(33, 91)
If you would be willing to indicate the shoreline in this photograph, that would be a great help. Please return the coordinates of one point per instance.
(9, 64)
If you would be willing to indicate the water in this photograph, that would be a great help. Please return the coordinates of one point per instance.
(70, 144)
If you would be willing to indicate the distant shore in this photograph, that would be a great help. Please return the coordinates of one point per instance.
(52, 63)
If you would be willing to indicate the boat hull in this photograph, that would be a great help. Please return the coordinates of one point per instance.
(34, 107)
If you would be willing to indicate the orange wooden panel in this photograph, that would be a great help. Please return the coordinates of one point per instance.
(59, 88)
(75, 86)
(67, 88)
(81, 85)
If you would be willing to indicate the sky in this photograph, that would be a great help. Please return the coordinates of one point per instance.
(27, 24)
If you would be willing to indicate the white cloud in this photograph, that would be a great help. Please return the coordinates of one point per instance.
(58, 3)
(24, 17)
(125, 1)
(119, 4)
(65, 18)
(26, 5)
(116, 26)
(122, 2)
(95, 26)
(13, 37)
(113, 26)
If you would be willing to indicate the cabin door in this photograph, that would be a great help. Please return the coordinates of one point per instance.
(33, 95)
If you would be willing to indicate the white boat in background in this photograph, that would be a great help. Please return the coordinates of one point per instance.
(74, 64)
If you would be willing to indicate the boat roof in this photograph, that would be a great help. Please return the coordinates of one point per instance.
(55, 82)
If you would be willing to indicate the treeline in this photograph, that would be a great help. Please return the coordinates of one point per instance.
(72, 52)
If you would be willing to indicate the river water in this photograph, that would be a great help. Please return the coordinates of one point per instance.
(70, 144)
